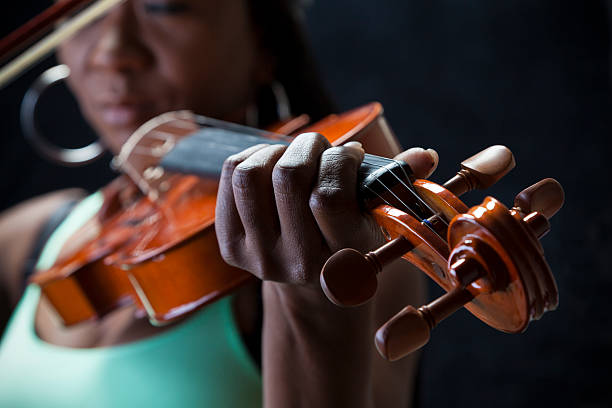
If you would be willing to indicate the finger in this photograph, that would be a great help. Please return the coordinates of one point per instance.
(293, 178)
(422, 162)
(228, 226)
(333, 201)
(254, 198)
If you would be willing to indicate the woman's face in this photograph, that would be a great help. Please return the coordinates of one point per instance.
(147, 57)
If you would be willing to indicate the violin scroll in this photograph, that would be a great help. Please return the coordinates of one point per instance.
(349, 278)
(490, 259)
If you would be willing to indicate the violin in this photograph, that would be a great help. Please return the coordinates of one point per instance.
(153, 243)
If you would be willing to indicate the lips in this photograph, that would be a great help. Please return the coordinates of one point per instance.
(118, 101)
(125, 114)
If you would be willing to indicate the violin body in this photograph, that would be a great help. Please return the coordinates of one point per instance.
(156, 246)
(162, 253)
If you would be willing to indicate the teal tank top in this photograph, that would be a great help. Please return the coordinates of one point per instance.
(202, 362)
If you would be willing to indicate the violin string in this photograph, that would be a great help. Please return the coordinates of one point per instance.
(373, 160)
(376, 161)
(379, 196)
(399, 163)
(258, 139)
(414, 194)
(399, 179)
(401, 182)
(410, 210)
(390, 205)
(419, 219)
(246, 130)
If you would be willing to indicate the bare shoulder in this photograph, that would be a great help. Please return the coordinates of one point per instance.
(19, 228)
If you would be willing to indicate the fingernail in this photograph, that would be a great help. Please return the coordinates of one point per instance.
(434, 156)
(355, 145)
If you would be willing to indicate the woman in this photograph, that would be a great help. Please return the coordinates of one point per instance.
(217, 58)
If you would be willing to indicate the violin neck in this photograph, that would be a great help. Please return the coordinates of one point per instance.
(204, 152)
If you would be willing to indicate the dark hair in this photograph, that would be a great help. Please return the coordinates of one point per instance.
(283, 36)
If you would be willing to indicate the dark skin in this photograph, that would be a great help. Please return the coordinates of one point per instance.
(281, 211)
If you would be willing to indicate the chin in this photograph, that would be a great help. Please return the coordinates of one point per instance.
(114, 139)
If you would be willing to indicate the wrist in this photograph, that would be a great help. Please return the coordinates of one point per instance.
(332, 344)
(308, 306)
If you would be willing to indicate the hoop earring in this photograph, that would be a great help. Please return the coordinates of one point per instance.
(281, 100)
(283, 107)
(252, 115)
(60, 155)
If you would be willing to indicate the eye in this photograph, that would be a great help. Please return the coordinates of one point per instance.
(165, 7)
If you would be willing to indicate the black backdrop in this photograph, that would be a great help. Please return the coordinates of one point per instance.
(457, 77)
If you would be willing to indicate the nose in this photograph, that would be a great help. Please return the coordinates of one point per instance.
(119, 46)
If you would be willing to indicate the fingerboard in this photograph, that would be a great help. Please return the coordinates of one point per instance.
(204, 152)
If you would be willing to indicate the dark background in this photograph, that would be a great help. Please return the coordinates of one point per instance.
(457, 77)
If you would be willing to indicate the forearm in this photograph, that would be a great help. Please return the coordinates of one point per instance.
(315, 354)
(281, 212)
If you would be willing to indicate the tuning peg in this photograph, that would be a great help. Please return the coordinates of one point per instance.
(409, 330)
(545, 196)
(537, 203)
(482, 170)
(348, 278)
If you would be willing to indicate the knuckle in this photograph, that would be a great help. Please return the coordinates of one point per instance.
(306, 270)
(298, 165)
(231, 253)
(285, 176)
(339, 156)
(231, 162)
(264, 268)
(245, 175)
(235, 160)
(313, 139)
(327, 199)
(299, 274)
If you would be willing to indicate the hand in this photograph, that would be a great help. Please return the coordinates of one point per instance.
(282, 211)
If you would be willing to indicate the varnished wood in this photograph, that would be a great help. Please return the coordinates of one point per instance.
(47, 44)
(491, 261)
(545, 196)
(348, 278)
(482, 170)
(161, 250)
(409, 330)
(34, 28)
